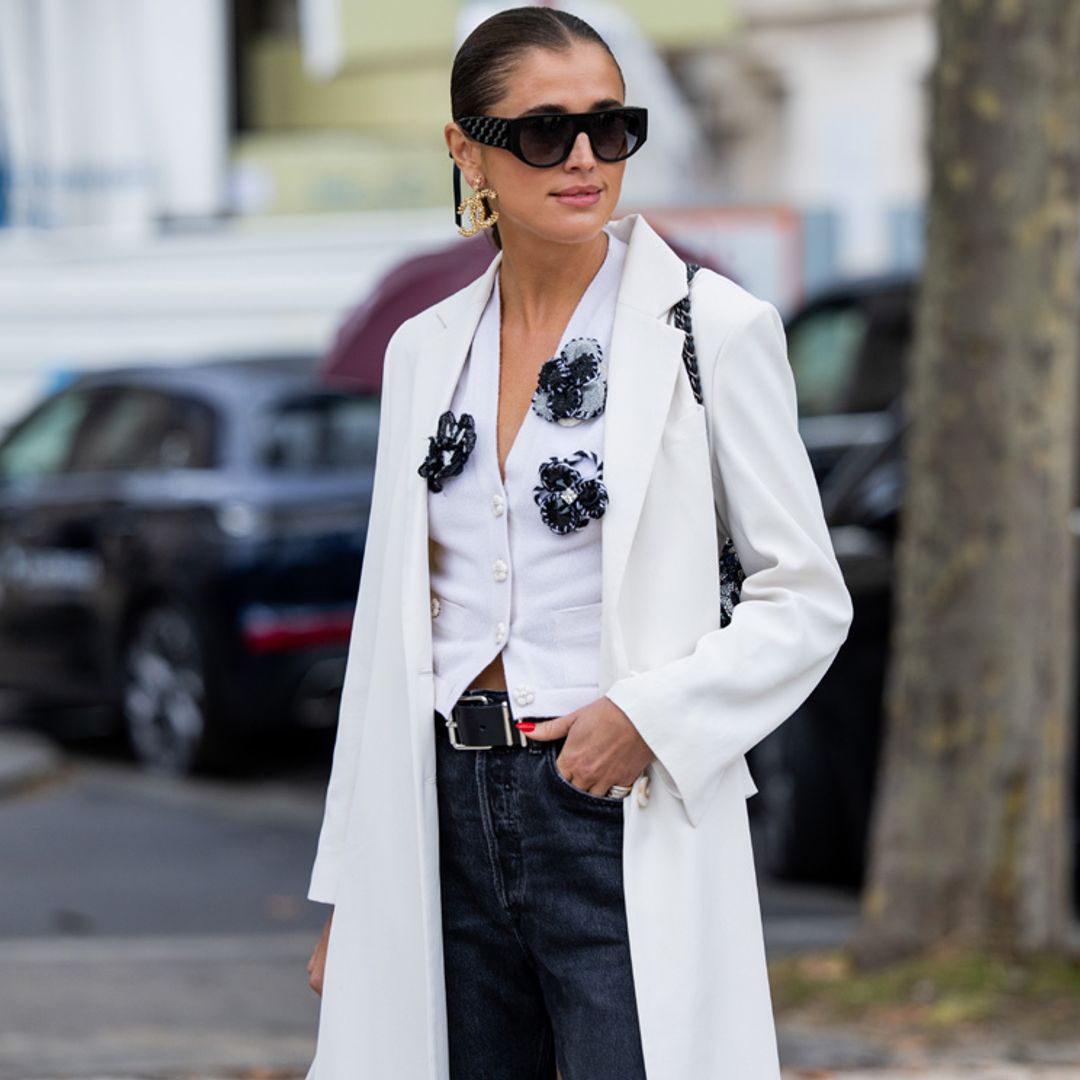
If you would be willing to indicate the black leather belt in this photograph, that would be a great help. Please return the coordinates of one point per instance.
(481, 720)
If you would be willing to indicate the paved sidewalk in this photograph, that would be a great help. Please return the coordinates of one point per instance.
(238, 1007)
(168, 1007)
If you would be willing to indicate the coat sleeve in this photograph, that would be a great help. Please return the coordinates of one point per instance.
(350, 727)
(700, 713)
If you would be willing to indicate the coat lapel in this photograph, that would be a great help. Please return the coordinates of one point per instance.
(646, 354)
(437, 372)
(439, 368)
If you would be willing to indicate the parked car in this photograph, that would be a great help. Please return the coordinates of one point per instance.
(183, 544)
(818, 770)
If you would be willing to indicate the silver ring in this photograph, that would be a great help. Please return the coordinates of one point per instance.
(619, 790)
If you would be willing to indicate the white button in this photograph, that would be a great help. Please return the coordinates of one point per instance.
(524, 696)
(498, 505)
(500, 570)
(500, 633)
(436, 607)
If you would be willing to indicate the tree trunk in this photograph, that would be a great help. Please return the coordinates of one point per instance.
(969, 841)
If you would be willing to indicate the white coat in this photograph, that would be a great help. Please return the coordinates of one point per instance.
(701, 696)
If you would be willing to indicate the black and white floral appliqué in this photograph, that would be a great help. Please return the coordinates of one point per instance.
(448, 449)
(572, 386)
(568, 500)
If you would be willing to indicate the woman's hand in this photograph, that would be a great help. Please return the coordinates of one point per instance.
(317, 964)
(602, 746)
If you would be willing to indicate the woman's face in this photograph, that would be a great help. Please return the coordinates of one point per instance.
(583, 78)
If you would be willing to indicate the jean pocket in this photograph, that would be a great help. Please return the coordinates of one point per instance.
(609, 801)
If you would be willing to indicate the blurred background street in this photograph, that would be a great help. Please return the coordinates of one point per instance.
(213, 215)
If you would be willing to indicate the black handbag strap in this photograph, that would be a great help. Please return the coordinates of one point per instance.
(731, 570)
(683, 323)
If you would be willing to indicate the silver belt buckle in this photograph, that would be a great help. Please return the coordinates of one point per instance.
(482, 699)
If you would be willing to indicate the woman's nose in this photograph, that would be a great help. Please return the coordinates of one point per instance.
(581, 153)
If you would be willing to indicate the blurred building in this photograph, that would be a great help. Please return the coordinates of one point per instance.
(230, 175)
(818, 105)
(121, 114)
(113, 113)
(338, 110)
(822, 105)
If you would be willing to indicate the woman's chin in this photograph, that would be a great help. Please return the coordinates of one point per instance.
(573, 225)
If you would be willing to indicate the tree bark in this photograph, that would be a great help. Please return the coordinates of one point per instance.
(969, 841)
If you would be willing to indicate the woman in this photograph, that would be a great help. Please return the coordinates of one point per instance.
(535, 837)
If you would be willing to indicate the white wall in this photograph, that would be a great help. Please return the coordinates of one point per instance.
(113, 112)
(825, 104)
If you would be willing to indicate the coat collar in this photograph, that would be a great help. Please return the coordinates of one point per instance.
(645, 357)
(653, 280)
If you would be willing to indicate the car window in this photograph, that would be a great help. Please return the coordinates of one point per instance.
(42, 445)
(318, 432)
(824, 347)
(850, 357)
(880, 372)
(137, 430)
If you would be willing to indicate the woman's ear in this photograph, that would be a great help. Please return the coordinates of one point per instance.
(463, 150)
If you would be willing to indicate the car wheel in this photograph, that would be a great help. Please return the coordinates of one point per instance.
(164, 694)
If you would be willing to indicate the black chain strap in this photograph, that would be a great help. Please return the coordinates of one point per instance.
(731, 571)
(683, 323)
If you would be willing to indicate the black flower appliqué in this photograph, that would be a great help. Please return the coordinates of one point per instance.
(572, 385)
(448, 449)
(568, 500)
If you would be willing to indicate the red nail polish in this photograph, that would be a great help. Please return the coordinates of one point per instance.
(524, 725)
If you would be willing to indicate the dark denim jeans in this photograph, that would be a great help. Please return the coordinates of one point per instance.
(535, 943)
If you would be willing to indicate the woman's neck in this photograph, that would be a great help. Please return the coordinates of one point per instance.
(541, 284)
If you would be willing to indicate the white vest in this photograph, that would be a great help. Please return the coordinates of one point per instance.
(501, 578)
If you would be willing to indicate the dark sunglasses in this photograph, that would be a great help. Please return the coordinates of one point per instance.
(546, 139)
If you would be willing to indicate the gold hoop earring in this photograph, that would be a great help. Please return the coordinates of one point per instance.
(479, 218)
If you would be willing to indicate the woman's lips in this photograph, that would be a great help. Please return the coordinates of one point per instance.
(584, 198)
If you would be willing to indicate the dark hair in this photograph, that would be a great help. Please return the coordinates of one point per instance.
(489, 54)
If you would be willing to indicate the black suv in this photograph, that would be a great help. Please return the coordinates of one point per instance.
(183, 543)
